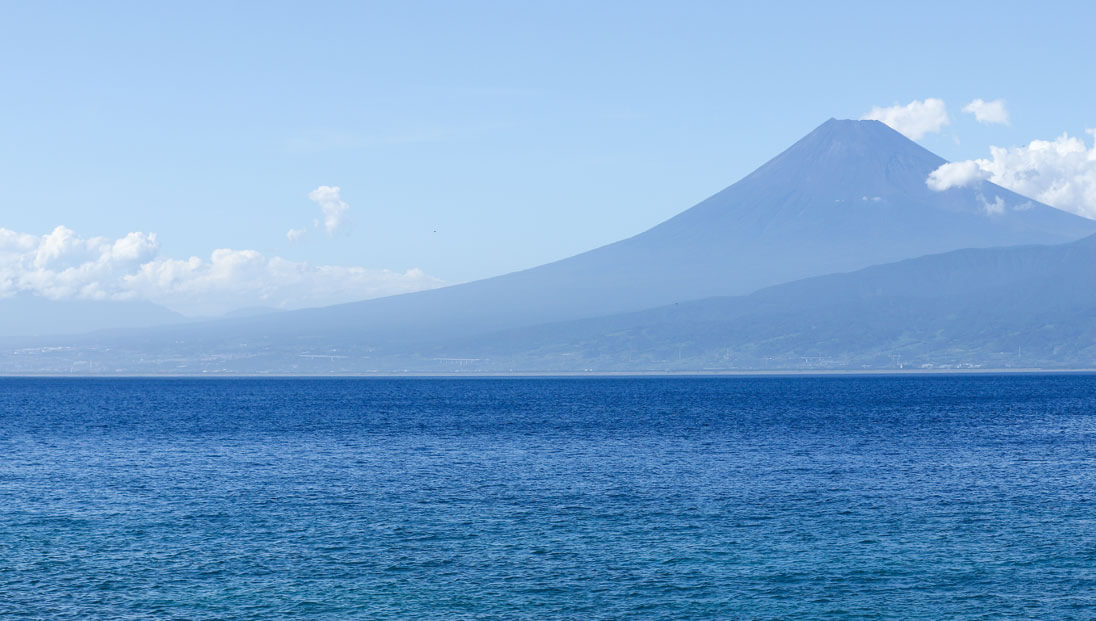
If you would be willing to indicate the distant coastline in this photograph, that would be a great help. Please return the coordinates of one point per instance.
(565, 374)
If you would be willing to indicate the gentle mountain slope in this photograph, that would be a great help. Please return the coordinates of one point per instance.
(1002, 307)
(1023, 306)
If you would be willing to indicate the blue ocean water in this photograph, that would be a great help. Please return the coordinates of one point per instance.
(927, 497)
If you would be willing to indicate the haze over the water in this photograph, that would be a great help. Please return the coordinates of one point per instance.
(208, 158)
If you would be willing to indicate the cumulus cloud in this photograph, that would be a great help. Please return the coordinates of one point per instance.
(988, 112)
(332, 205)
(62, 265)
(914, 119)
(295, 234)
(956, 175)
(1060, 172)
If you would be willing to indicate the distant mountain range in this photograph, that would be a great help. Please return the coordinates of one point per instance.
(849, 195)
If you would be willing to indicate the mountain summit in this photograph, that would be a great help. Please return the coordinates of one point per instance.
(852, 194)
(848, 195)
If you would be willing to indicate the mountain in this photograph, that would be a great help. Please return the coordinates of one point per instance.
(848, 195)
(27, 315)
(1027, 306)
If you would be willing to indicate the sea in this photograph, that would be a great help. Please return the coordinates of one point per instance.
(797, 497)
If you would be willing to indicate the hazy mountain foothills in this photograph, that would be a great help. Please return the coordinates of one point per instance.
(849, 195)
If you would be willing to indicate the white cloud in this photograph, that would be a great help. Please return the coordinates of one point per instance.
(333, 207)
(295, 234)
(1060, 172)
(988, 112)
(955, 175)
(914, 119)
(61, 265)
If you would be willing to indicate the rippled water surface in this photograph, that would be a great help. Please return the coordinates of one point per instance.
(940, 497)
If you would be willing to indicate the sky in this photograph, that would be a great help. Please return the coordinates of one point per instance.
(216, 155)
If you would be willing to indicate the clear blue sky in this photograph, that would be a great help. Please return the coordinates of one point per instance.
(475, 138)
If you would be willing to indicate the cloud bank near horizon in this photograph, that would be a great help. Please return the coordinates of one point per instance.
(1059, 172)
(63, 265)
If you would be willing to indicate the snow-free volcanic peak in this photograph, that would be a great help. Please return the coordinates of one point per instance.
(848, 195)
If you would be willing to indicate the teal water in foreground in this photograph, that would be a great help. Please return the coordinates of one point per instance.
(942, 497)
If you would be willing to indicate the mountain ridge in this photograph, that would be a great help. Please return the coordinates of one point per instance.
(726, 245)
(972, 307)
